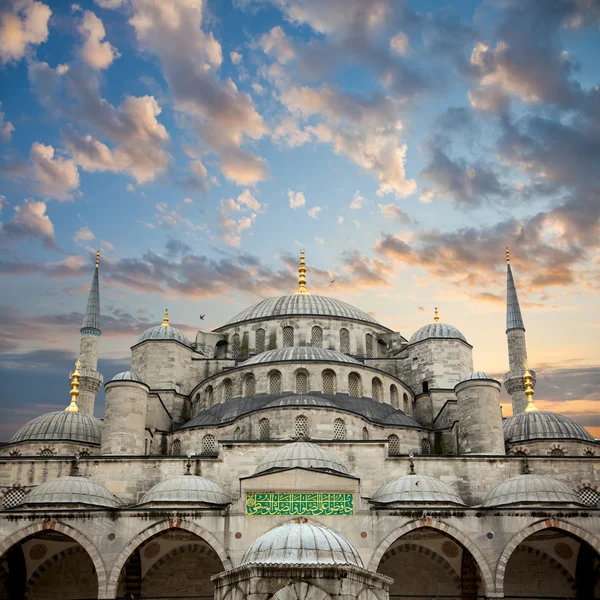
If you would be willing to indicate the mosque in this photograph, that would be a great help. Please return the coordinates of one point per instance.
(300, 451)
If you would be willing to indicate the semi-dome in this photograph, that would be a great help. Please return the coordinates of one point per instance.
(436, 330)
(301, 304)
(186, 489)
(301, 454)
(301, 543)
(530, 489)
(539, 425)
(475, 375)
(70, 490)
(416, 488)
(60, 426)
(300, 353)
(127, 376)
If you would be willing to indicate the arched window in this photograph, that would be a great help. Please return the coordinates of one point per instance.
(377, 389)
(365, 433)
(425, 387)
(236, 347)
(301, 382)
(589, 496)
(405, 402)
(316, 337)
(393, 445)
(227, 390)
(84, 454)
(329, 383)
(589, 453)
(46, 452)
(288, 336)
(176, 448)
(394, 398)
(13, 498)
(301, 427)
(557, 452)
(381, 349)
(264, 429)
(339, 429)
(210, 396)
(354, 385)
(237, 434)
(209, 444)
(274, 382)
(249, 386)
(344, 341)
(369, 345)
(260, 340)
(425, 447)
(221, 349)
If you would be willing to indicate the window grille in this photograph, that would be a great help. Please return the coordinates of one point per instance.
(394, 399)
(339, 429)
(344, 341)
(46, 452)
(425, 447)
(84, 454)
(274, 382)
(260, 341)
(301, 427)
(13, 498)
(237, 434)
(393, 445)
(264, 429)
(209, 444)
(316, 337)
(589, 453)
(328, 382)
(376, 390)
(301, 383)
(249, 386)
(557, 452)
(589, 497)
(236, 348)
(520, 453)
(176, 448)
(288, 336)
(365, 433)
(354, 387)
(227, 390)
(369, 345)
(209, 396)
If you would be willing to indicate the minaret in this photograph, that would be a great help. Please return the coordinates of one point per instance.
(302, 276)
(514, 381)
(90, 380)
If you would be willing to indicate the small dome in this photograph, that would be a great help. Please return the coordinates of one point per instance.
(301, 543)
(70, 490)
(416, 488)
(530, 489)
(187, 489)
(301, 454)
(541, 425)
(302, 353)
(476, 375)
(126, 376)
(436, 330)
(160, 332)
(60, 426)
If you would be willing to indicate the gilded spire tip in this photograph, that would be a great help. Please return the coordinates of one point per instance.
(98, 258)
(74, 389)
(528, 379)
(436, 316)
(507, 255)
(165, 322)
(302, 275)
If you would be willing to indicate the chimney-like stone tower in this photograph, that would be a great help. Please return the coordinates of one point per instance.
(90, 380)
(517, 349)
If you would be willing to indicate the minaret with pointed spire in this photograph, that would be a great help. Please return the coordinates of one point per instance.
(514, 380)
(90, 380)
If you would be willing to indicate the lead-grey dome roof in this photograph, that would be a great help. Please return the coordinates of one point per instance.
(301, 304)
(476, 375)
(539, 425)
(60, 426)
(127, 376)
(416, 488)
(70, 490)
(301, 543)
(436, 330)
(530, 489)
(187, 489)
(161, 332)
(301, 454)
(300, 353)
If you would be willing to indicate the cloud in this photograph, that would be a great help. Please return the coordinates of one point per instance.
(23, 25)
(313, 212)
(56, 177)
(366, 272)
(320, 241)
(30, 221)
(232, 228)
(110, 4)
(6, 128)
(399, 43)
(357, 201)
(276, 44)
(236, 58)
(393, 211)
(96, 53)
(83, 235)
(296, 199)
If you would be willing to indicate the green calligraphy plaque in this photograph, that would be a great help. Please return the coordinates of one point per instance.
(293, 505)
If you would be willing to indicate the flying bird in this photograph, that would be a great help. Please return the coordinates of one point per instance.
(202, 317)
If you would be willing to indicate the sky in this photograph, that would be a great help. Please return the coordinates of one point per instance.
(200, 144)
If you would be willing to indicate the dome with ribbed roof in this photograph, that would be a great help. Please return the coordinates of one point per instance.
(60, 426)
(540, 425)
(186, 489)
(295, 354)
(127, 376)
(436, 331)
(301, 454)
(301, 543)
(475, 375)
(160, 332)
(70, 490)
(415, 488)
(531, 489)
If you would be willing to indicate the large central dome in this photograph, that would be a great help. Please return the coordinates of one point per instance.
(301, 304)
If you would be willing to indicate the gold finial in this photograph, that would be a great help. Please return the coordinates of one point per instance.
(302, 275)
(529, 390)
(436, 316)
(507, 255)
(74, 389)
(165, 322)
(98, 258)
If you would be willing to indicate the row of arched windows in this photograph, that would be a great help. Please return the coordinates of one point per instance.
(394, 446)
